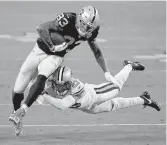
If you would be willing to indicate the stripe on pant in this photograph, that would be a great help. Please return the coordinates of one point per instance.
(106, 88)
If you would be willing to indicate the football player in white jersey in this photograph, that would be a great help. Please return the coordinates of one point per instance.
(64, 91)
(72, 93)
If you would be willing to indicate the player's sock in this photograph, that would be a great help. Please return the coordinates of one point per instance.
(17, 98)
(35, 90)
(122, 76)
(25, 107)
(119, 103)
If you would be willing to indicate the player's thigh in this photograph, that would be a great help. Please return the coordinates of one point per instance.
(106, 91)
(103, 107)
(30, 65)
(49, 65)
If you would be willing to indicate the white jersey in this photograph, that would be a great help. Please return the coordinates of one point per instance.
(87, 101)
(84, 94)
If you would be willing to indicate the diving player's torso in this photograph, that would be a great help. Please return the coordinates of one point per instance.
(84, 94)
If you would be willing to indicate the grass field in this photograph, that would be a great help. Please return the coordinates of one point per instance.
(129, 30)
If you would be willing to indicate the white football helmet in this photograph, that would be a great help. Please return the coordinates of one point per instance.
(62, 74)
(87, 21)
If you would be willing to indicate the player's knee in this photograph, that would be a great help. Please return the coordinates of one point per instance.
(119, 85)
(116, 103)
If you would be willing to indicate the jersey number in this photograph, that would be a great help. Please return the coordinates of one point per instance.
(62, 20)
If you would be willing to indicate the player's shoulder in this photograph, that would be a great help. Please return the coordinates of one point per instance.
(76, 83)
(71, 14)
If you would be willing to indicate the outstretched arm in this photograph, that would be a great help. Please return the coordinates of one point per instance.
(101, 61)
(98, 55)
(62, 104)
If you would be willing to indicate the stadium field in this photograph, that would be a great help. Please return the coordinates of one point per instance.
(129, 30)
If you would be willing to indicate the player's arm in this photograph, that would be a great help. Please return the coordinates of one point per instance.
(98, 55)
(44, 30)
(101, 61)
(62, 104)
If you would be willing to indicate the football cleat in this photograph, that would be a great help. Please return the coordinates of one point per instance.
(136, 66)
(149, 102)
(17, 116)
(18, 128)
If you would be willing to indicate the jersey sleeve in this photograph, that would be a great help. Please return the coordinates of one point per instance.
(94, 34)
(77, 87)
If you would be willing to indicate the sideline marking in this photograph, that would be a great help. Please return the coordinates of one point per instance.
(84, 125)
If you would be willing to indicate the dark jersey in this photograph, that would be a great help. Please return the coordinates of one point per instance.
(66, 28)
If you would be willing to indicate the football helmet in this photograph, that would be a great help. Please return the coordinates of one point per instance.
(87, 21)
(62, 74)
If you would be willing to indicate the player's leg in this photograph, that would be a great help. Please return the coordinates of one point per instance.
(107, 91)
(129, 66)
(26, 72)
(45, 69)
(143, 99)
(117, 103)
(120, 103)
(103, 107)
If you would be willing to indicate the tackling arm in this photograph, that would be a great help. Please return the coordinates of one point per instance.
(62, 104)
(98, 55)
(101, 61)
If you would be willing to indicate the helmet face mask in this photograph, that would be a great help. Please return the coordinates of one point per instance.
(86, 21)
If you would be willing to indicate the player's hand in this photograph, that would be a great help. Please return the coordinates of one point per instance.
(110, 78)
(40, 100)
(58, 48)
(52, 49)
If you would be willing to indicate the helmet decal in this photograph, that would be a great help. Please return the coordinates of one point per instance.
(60, 74)
(94, 14)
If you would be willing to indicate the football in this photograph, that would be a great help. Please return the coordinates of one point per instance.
(56, 38)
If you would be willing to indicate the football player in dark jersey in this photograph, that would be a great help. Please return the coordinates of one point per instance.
(57, 38)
